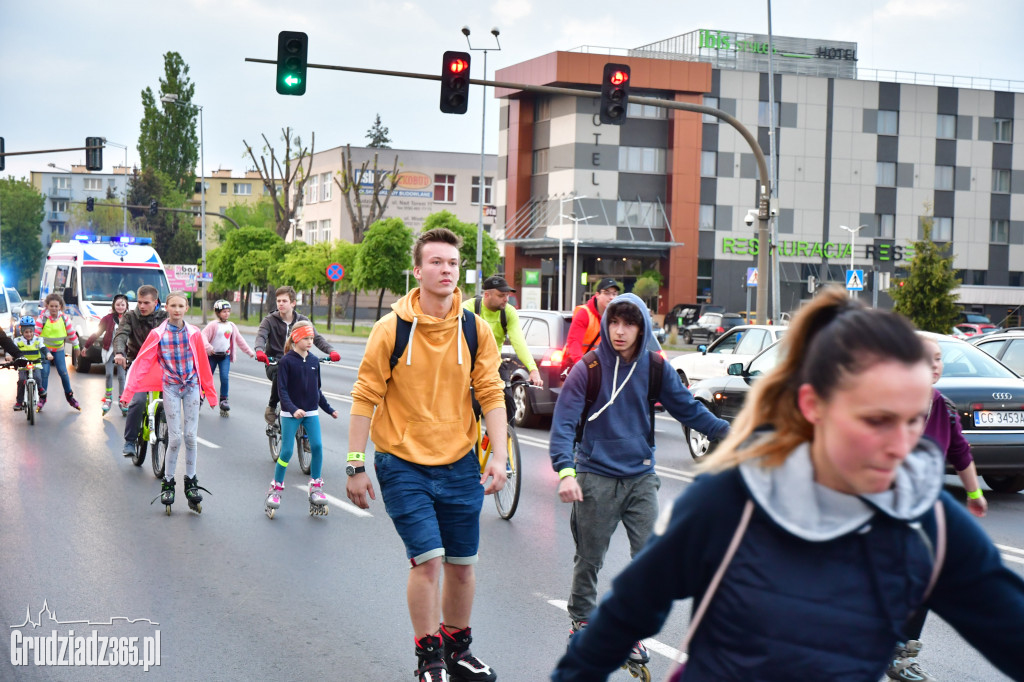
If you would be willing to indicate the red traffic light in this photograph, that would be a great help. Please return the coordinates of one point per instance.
(458, 65)
(618, 77)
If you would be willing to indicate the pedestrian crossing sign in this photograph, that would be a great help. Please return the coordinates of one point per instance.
(751, 277)
(855, 280)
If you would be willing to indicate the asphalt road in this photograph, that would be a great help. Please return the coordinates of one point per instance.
(236, 596)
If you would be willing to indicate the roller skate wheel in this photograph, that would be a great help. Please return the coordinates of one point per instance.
(168, 509)
(270, 512)
(197, 508)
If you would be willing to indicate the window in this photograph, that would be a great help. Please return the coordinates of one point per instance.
(886, 174)
(1001, 181)
(540, 161)
(945, 128)
(488, 190)
(942, 230)
(93, 184)
(706, 221)
(641, 159)
(537, 334)
(313, 189)
(886, 226)
(978, 278)
(60, 205)
(243, 188)
(762, 115)
(325, 230)
(710, 102)
(58, 228)
(888, 122)
(752, 341)
(325, 187)
(310, 232)
(444, 188)
(223, 188)
(640, 214)
(645, 111)
(708, 164)
(944, 177)
(999, 233)
(1003, 131)
(541, 109)
(62, 182)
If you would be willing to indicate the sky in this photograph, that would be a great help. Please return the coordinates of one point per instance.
(77, 69)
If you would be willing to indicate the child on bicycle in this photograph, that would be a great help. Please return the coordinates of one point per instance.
(33, 350)
(173, 360)
(54, 325)
(298, 384)
(223, 338)
(107, 327)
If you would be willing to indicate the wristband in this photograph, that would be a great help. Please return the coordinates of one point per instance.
(975, 494)
(569, 471)
(356, 457)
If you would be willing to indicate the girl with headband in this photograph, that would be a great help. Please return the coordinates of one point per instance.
(298, 384)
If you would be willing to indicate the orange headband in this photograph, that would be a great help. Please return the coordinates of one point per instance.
(301, 333)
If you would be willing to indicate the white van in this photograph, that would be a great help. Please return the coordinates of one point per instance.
(7, 304)
(89, 270)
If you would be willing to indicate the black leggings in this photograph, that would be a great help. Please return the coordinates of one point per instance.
(272, 375)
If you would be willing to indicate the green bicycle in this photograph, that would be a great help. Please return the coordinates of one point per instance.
(152, 432)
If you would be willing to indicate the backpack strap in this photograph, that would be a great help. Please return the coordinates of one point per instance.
(940, 547)
(477, 300)
(656, 365)
(404, 327)
(469, 332)
(504, 323)
(593, 366)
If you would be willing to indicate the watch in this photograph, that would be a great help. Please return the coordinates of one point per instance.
(352, 471)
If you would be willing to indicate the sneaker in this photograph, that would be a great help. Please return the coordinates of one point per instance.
(904, 665)
(129, 449)
(639, 653)
(270, 414)
(462, 665)
(430, 659)
(19, 406)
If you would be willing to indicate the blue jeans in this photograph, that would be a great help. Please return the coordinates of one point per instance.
(221, 363)
(289, 427)
(62, 370)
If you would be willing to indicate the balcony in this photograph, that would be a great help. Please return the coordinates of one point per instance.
(58, 216)
(59, 193)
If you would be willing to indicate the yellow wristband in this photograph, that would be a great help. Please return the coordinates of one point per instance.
(356, 457)
(566, 472)
(975, 494)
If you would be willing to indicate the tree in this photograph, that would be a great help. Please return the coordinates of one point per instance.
(468, 232)
(385, 252)
(306, 268)
(184, 247)
(107, 217)
(351, 184)
(378, 135)
(646, 288)
(167, 137)
(230, 268)
(925, 296)
(285, 198)
(259, 214)
(22, 209)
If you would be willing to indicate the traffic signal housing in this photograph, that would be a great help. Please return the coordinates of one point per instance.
(291, 62)
(3, 159)
(89, 204)
(614, 94)
(94, 153)
(152, 207)
(455, 82)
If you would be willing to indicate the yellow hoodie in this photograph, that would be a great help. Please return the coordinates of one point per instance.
(424, 413)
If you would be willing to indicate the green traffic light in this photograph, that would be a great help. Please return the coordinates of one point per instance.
(292, 80)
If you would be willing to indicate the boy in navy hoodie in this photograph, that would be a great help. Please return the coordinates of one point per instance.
(609, 475)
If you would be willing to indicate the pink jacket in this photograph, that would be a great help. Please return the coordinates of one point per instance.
(236, 340)
(146, 374)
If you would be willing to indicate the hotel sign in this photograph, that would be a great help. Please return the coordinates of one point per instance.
(717, 40)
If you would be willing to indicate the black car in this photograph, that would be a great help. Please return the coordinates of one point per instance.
(988, 396)
(710, 326)
(683, 315)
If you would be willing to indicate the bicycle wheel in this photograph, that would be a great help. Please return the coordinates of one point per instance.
(300, 450)
(30, 403)
(507, 499)
(159, 456)
(141, 444)
(274, 438)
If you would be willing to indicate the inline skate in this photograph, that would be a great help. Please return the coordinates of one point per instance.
(166, 495)
(106, 404)
(224, 407)
(273, 502)
(192, 489)
(317, 499)
(636, 664)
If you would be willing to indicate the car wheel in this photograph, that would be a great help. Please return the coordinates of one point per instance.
(687, 337)
(1008, 483)
(682, 377)
(699, 444)
(524, 416)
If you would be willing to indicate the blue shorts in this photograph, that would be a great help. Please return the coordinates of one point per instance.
(435, 509)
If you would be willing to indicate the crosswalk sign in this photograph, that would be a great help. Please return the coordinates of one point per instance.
(855, 280)
(751, 277)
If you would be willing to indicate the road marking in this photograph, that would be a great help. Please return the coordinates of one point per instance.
(674, 473)
(1013, 551)
(654, 645)
(203, 441)
(339, 503)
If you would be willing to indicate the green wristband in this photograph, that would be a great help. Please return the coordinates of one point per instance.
(566, 472)
(975, 494)
(356, 457)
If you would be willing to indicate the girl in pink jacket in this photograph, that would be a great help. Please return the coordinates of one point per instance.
(222, 338)
(173, 360)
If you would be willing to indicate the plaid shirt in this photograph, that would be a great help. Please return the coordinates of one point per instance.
(176, 357)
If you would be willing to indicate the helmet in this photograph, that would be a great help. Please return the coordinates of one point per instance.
(27, 321)
(221, 305)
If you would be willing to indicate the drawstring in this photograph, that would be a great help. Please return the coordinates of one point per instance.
(408, 356)
(615, 390)
(459, 318)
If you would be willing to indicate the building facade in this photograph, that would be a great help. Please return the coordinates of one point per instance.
(64, 190)
(669, 190)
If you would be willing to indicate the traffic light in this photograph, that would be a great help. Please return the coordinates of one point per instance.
(152, 207)
(89, 204)
(614, 94)
(455, 82)
(3, 159)
(94, 153)
(291, 62)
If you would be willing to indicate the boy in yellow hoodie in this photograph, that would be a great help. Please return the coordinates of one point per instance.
(420, 417)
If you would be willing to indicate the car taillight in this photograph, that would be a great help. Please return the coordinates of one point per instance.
(663, 355)
(553, 358)
(719, 330)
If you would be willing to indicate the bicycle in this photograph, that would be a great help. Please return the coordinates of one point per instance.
(507, 499)
(31, 390)
(302, 448)
(153, 431)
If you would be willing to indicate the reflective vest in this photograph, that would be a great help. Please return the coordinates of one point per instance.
(56, 332)
(30, 350)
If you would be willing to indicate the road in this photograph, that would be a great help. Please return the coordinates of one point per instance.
(236, 596)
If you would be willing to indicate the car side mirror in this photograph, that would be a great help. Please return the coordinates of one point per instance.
(736, 369)
(703, 349)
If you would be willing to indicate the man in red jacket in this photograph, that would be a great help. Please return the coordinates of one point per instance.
(585, 331)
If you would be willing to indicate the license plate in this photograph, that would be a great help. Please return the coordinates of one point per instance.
(999, 418)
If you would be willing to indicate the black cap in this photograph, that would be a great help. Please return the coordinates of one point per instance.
(607, 283)
(497, 282)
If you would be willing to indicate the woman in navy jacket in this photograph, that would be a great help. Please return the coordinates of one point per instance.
(844, 534)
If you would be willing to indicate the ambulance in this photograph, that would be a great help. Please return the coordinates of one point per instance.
(89, 270)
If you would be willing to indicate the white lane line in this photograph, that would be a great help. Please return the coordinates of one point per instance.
(654, 645)
(674, 474)
(341, 504)
(1007, 548)
(206, 443)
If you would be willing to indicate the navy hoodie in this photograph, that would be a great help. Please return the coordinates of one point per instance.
(615, 438)
(298, 383)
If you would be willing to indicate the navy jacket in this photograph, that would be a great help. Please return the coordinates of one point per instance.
(298, 384)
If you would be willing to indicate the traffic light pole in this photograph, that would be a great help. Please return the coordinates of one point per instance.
(764, 187)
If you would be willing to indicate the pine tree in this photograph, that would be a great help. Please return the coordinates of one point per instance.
(925, 296)
(378, 135)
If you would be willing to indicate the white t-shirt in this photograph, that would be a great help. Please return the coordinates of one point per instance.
(222, 339)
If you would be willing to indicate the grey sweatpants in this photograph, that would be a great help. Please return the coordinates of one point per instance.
(606, 502)
(181, 404)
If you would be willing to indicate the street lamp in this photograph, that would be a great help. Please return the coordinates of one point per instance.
(853, 237)
(483, 130)
(561, 262)
(172, 98)
(125, 148)
(575, 249)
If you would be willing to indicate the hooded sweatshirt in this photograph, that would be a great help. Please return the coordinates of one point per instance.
(422, 411)
(822, 583)
(615, 437)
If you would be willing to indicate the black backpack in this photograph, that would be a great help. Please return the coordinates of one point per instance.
(404, 327)
(590, 359)
(504, 321)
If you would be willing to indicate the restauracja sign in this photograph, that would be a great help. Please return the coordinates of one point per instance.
(828, 250)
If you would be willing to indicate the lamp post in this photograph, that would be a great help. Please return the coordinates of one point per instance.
(124, 229)
(172, 98)
(561, 268)
(483, 130)
(853, 237)
(575, 250)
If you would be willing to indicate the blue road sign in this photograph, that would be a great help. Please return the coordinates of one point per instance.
(855, 280)
(751, 277)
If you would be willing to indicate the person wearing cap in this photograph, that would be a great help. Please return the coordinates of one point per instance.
(585, 331)
(503, 320)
